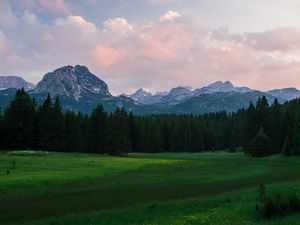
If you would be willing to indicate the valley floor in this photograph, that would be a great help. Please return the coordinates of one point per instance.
(166, 188)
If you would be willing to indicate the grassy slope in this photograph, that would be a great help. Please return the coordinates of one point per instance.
(141, 189)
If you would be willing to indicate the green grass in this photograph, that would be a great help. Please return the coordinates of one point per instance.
(165, 188)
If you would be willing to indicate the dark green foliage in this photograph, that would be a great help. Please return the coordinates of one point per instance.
(19, 122)
(277, 205)
(97, 134)
(119, 137)
(287, 148)
(260, 130)
(260, 145)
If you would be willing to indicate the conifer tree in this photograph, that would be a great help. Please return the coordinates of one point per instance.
(45, 133)
(296, 132)
(120, 143)
(98, 130)
(19, 122)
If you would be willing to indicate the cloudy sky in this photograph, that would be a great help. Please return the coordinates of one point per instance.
(155, 44)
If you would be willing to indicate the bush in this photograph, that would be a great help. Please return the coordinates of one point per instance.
(260, 145)
(277, 205)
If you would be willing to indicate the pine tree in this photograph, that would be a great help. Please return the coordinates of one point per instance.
(45, 122)
(274, 126)
(120, 143)
(98, 130)
(287, 147)
(250, 126)
(57, 126)
(73, 140)
(286, 131)
(19, 121)
(296, 132)
(260, 145)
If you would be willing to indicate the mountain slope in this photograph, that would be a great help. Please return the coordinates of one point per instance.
(15, 82)
(285, 93)
(227, 101)
(74, 82)
(80, 90)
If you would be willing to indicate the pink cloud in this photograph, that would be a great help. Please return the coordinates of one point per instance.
(55, 5)
(280, 39)
(155, 55)
(119, 25)
(170, 16)
(3, 43)
(161, 2)
(105, 56)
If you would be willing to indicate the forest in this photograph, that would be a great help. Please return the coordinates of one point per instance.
(260, 130)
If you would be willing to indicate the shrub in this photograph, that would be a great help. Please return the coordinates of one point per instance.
(277, 205)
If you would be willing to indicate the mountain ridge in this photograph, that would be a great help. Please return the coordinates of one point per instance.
(80, 90)
(15, 82)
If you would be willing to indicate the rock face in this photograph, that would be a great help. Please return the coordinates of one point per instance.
(75, 82)
(15, 82)
(147, 98)
(220, 86)
(81, 91)
(141, 96)
(179, 94)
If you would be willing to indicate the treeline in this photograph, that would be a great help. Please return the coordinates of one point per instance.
(260, 130)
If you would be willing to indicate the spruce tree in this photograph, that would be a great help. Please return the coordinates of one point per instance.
(119, 138)
(19, 119)
(296, 132)
(98, 126)
(45, 133)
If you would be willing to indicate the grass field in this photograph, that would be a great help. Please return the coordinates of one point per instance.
(167, 188)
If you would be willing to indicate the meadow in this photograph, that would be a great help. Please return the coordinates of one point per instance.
(165, 188)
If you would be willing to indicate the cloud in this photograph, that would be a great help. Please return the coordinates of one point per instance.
(3, 43)
(53, 6)
(279, 39)
(161, 2)
(119, 25)
(105, 56)
(172, 50)
(170, 16)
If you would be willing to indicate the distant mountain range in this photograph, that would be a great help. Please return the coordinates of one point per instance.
(80, 90)
(15, 82)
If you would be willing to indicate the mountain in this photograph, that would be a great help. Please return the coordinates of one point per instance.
(147, 98)
(15, 82)
(219, 101)
(220, 86)
(75, 82)
(80, 90)
(285, 93)
(140, 95)
(180, 94)
(177, 95)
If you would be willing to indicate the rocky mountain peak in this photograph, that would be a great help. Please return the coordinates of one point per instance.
(72, 82)
(141, 96)
(15, 82)
(141, 91)
(221, 86)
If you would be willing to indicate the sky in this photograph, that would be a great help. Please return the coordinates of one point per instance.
(155, 44)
